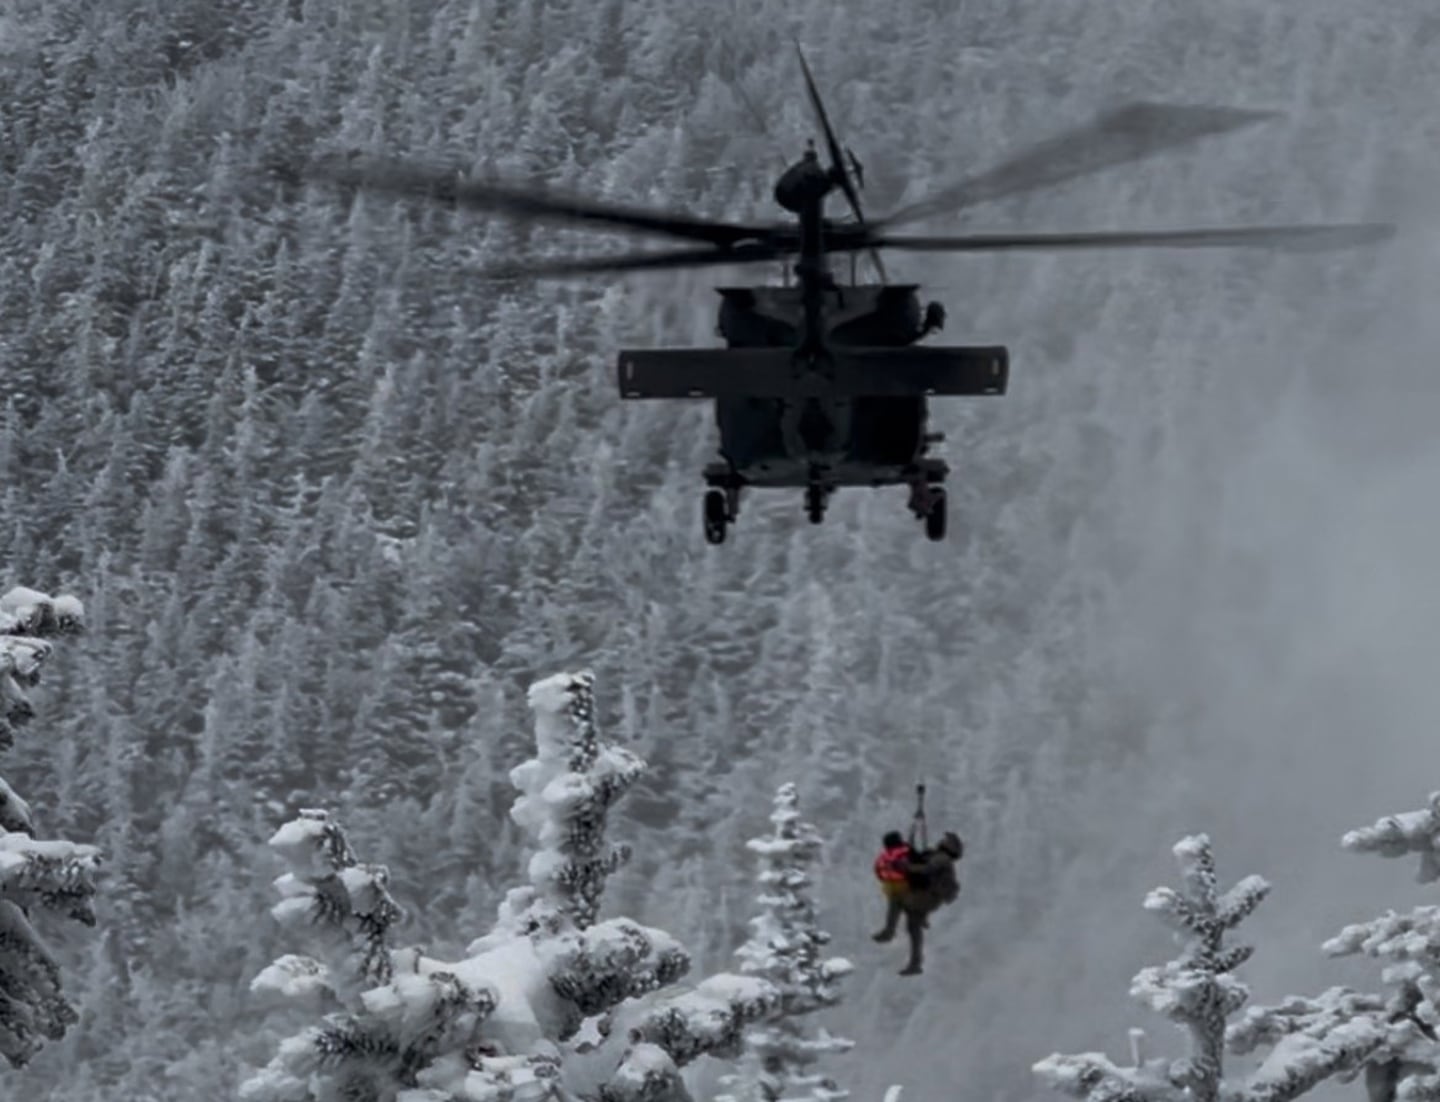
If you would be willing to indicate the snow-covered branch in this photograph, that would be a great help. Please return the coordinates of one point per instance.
(1313, 1040)
(1408, 943)
(1095, 1077)
(28, 619)
(710, 1020)
(601, 967)
(35, 876)
(1398, 835)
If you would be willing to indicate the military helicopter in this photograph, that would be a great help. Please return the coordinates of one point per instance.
(823, 384)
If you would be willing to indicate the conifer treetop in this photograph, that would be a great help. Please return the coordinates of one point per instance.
(566, 791)
(786, 948)
(1313, 1039)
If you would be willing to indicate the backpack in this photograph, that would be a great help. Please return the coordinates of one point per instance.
(932, 875)
(946, 883)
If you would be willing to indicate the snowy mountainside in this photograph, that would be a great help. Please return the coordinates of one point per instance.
(331, 506)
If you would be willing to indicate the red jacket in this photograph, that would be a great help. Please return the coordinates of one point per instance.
(891, 863)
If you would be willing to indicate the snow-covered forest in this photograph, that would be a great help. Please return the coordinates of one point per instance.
(552, 1005)
(332, 505)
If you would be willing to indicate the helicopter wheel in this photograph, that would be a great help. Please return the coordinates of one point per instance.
(935, 515)
(717, 517)
(815, 504)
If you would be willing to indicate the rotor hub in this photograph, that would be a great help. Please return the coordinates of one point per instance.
(803, 183)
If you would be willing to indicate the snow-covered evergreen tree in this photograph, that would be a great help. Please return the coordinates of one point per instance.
(551, 1004)
(786, 947)
(1198, 992)
(35, 876)
(1404, 1061)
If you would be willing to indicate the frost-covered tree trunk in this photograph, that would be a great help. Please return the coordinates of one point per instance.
(551, 1004)
(35, 876)
(1197, 992)
(786, 947)
(1404, 1059)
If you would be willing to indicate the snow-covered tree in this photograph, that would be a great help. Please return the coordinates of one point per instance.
(1404, 1060)
(786, 947)
(35, 876)
(551, 1004)
(1198, 992)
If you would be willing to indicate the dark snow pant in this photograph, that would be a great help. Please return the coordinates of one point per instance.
(915, 923)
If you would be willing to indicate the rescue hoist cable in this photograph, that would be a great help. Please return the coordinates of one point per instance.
(918, 827)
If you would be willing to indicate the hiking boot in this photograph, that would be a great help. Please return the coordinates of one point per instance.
(911, 969)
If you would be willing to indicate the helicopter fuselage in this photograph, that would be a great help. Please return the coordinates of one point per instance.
(834, 440)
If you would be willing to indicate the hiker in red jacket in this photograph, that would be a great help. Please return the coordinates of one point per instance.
(892, 867)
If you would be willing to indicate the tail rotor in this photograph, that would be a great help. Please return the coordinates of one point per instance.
(845, 168)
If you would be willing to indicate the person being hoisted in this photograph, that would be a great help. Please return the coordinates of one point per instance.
(916, 882)
(892, 867)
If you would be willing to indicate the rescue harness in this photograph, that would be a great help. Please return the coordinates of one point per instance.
(890, 864)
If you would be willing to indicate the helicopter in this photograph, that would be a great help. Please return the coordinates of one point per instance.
(823, 384)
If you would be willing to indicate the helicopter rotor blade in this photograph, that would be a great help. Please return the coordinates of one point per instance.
(1122, 136)
(839, 169)
(1337, 236)
(635, 262)
(759, 120)
(415, 181)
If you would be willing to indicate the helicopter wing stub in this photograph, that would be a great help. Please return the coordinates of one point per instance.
(846, 373)
(1123, 136)
(407, 181)
(922, 371)
(1295, 238)
(705, 372)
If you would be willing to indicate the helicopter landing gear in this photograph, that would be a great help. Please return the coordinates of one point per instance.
(927, 502)
(817, 493)
(935, 515)
(722, 502)
(815, 502)
(717, 517)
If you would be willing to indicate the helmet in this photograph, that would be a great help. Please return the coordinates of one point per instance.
(894, 838)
